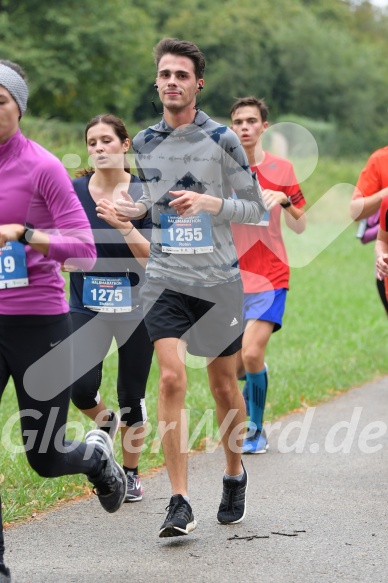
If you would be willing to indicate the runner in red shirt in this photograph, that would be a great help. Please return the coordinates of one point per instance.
(371, 188)
(381, 249)
(263, 259)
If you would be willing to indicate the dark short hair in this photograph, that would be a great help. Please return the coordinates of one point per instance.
(251, 102)
(183, 48)
(15, 67)
(119, 129)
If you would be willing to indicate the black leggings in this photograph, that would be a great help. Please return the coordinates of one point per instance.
(91, 344)
(31, 352)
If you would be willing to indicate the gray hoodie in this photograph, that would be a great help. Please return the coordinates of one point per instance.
(204, 157)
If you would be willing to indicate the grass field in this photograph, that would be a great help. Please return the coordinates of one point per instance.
(333, 337)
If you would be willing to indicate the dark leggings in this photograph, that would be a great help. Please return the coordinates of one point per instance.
(381, 290)
(31, 352)
(91, 344)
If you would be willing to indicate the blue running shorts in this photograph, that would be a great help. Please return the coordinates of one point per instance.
(268, 305)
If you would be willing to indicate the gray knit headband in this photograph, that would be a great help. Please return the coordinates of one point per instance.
(16, 85)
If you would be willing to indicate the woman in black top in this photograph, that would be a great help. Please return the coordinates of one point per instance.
(104, 303)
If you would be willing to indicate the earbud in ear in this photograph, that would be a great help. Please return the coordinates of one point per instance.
(200, 87)
(155, 86)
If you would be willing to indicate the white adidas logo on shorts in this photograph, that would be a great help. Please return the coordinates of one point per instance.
(234, 322)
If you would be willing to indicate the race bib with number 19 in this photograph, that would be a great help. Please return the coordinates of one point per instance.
(13, 265)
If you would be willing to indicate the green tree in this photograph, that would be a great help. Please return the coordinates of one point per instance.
(325, 59)
(82, 58)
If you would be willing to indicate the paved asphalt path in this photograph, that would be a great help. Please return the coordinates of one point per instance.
(315, 514)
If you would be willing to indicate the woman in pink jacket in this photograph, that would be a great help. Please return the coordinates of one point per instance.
(42, 224)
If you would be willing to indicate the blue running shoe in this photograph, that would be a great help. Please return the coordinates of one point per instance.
(257, 443)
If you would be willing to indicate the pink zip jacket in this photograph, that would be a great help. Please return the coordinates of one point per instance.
(35, 188)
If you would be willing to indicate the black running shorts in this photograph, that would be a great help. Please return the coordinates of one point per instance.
(209, 319)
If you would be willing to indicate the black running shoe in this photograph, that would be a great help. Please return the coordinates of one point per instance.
(110, 482)
(5, 575)
(179, 519)
(233, 501)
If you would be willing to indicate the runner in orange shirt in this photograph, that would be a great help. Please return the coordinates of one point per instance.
(371, 188)
(381, 249)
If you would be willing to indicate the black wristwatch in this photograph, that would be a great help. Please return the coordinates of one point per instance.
(285, 205)
(25, 237)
